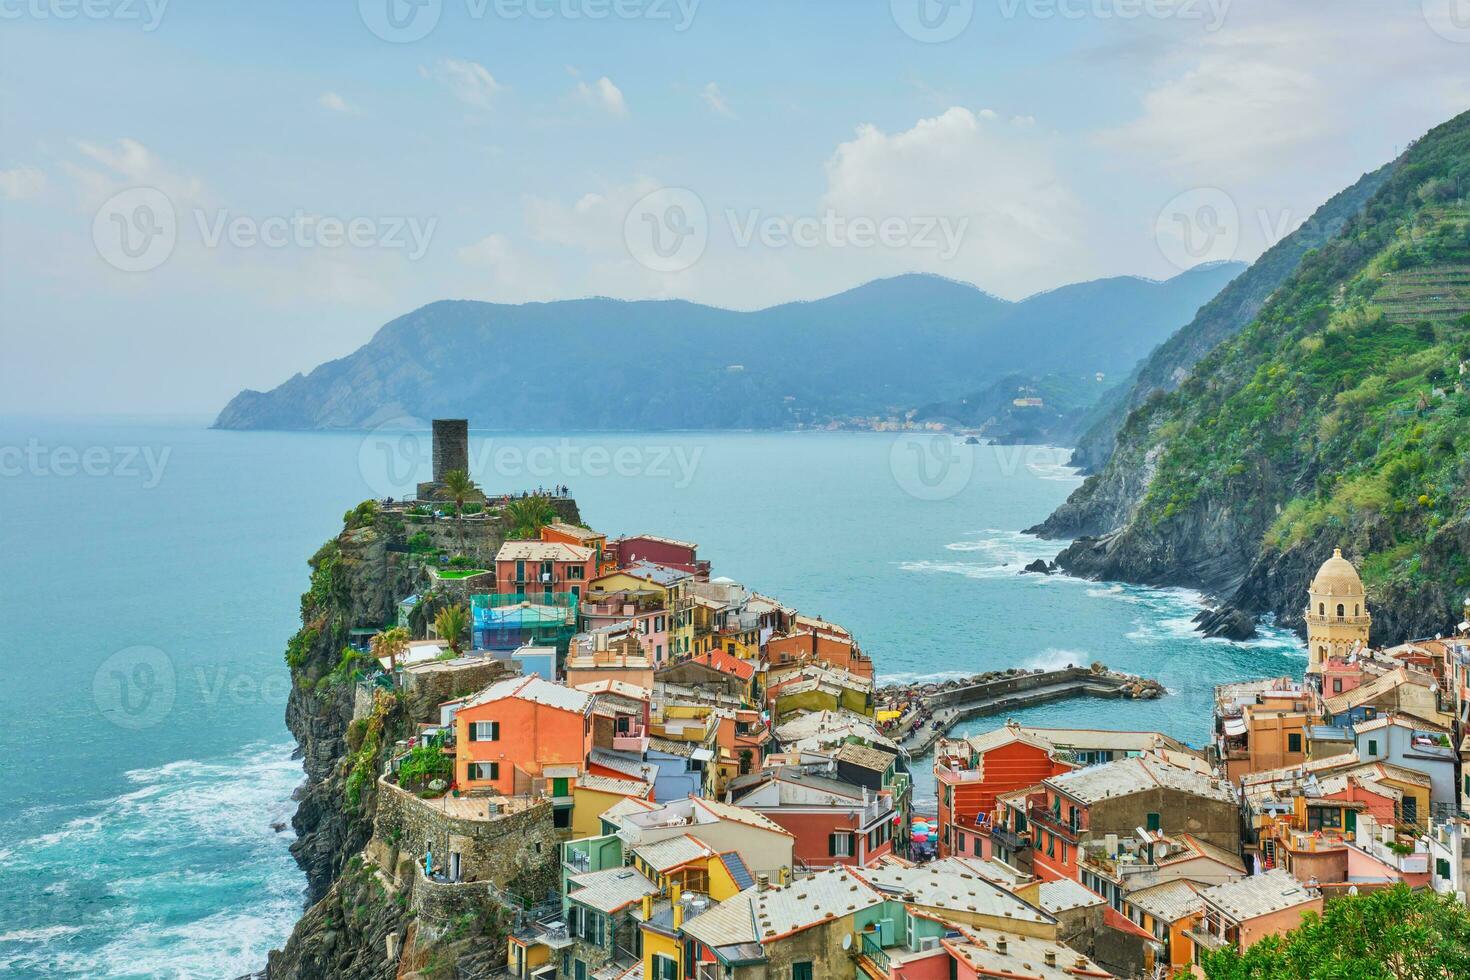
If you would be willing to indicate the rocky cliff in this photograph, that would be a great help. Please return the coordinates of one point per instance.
(1336, 418)
(355, 914)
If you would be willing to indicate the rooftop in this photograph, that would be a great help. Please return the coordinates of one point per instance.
(543, 551)
(611, 890)
(1249, 898)
(991, 953)
(943, 885)
(1170, 901)
(783, 909)
(1064, 894)
(1126, 777)
(673, 852)
(535, 690)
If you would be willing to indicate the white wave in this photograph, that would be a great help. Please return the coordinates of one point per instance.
(195, 830)
(1057, 659)
(938, 677)
(40, 935)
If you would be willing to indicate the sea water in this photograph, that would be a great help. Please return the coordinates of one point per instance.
(153, 571)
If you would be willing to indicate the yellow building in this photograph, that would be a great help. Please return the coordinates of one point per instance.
(1337, 612)
(595, 794)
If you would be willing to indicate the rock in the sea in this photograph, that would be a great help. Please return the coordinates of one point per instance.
(1227, 623)
(1039, 567)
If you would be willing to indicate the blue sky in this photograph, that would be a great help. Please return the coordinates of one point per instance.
(507, 157)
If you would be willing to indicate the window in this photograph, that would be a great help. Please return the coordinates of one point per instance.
(1293, 742)
(484, 770)
(1154, 823)
(1341, 610)
(1051, 845)
(1372, 746)
(1321, 609)
(839, 845)
(484, 731)
(1337, 685)
(664, 968)
(575, 572)
(801, 971)
(561, 817)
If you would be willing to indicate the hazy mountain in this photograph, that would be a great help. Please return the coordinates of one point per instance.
(883, 347)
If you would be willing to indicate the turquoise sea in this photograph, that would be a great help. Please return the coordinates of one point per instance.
(152, 576)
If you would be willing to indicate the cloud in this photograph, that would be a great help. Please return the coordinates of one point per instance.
(113, 167)
(335, 103)
(19, 183)
(603, 94)
(468, 81)
(1279, 90)
(1021, 220)
(503, 273)
(715, 99)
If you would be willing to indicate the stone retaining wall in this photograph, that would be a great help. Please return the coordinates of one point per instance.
(514, 852)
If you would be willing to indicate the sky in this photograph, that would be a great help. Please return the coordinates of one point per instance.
(199, 197)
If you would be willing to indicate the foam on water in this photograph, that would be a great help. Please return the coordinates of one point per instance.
(124, 882)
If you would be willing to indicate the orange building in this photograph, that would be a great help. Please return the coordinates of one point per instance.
(815, 640)
(520, 731)
(582, 537)
(971, 773)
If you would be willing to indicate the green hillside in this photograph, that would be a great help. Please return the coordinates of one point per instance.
(1339, 417)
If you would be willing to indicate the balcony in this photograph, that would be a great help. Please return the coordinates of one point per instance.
(1008, 838)
(633, 740)
(1043, 817)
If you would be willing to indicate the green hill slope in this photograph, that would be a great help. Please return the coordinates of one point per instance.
(1338, 418)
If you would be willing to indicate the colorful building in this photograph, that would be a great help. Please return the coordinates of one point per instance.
(521, 736)
(545, 567)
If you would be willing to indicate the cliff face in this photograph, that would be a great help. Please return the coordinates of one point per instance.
(1337, 418)
(356, 580)
(1173, 361)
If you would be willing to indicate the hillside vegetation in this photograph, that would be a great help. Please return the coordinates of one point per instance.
(1338, 417)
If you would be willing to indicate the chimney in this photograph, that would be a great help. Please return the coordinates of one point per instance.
(599, 641)
(647, 907)
(678, 915)
(1051, 957)
(763, 882)
(1000, 945)
(675, 893)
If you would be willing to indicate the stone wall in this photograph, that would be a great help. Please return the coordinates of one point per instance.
(515, 852)
(429, 686)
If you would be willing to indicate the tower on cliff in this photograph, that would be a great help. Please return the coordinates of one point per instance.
(1337, 612)
(451, 447)
(451, 452)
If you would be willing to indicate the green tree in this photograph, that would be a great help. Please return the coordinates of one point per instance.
(1389, 935)
(391, 643)
(460, 486)
(451, 623)
(528, 515)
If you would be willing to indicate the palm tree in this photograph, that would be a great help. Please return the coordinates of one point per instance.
(460, 486)
(391, 643)
(451, 623)
(528, 515)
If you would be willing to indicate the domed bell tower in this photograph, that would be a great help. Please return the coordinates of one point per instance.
(1337, 613)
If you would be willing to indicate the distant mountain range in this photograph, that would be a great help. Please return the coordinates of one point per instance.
(883, 348)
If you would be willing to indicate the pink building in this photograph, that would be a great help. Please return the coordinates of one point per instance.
(537, 567)
(648, 615)
(683, 555)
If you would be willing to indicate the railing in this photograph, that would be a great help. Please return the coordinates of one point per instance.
(875, 953)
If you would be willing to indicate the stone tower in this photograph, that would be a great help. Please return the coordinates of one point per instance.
(1337, 612)
(451, 447)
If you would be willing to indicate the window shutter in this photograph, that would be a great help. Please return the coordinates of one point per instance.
(831, 845)
(495, 731)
